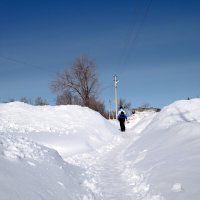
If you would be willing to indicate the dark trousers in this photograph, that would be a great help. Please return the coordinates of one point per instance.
(122, 124)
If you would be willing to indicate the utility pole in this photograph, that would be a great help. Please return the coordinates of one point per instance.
(115, 85)
(109, 108)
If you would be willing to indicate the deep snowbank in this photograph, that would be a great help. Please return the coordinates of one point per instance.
(163, 163)
(68, 129)
(31, 171)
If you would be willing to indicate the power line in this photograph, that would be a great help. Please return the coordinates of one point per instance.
(106, 87)
(132, 26)
(22, 62)
(133, 38)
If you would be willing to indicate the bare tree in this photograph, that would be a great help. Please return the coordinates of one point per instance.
(39, 101)
(145, 105)
(64, 99)
(67, 99)
(10, 100)
(98, 106)
(124, 104)
(25, 100)
(80, 80)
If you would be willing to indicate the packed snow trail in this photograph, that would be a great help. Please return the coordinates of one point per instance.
(106, 168)
(108, 173)
(110, 170)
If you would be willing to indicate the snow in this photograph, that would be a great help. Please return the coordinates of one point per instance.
(30, 168)
(177, 187)
(72, 152)
(167, 152)
(32, 171)
(68, 129)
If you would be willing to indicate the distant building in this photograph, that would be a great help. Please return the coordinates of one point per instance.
(142, 109)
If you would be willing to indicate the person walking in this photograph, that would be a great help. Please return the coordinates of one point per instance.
(122, 117)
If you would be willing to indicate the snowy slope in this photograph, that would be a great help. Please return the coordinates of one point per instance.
(164, 161)
(68, 129)
(31, 170)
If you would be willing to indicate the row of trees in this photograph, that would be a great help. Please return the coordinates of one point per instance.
(39, 101)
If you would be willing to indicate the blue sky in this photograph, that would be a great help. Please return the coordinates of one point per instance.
(153, 47)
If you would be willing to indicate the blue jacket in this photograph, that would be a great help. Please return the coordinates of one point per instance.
(121, 114)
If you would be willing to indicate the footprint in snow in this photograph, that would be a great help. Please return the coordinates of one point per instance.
(177, 187)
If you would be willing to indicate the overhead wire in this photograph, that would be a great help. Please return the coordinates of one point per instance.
(105, 87)
(134, 32)
(133, 37)
(132, 26)
(22, 62)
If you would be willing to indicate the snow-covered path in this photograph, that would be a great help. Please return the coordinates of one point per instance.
(110, 170)
(105, 170)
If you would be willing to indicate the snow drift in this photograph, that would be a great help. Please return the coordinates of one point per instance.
(164, 160)
(30, 168)
(31, 171)
(68, 129)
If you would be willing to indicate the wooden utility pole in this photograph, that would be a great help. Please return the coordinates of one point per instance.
(116, 102)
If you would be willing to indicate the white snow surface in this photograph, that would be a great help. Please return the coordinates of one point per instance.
(68, 129)
(72, 152)
(31, 171)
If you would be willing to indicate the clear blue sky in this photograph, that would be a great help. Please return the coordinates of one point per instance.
(153, 47)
